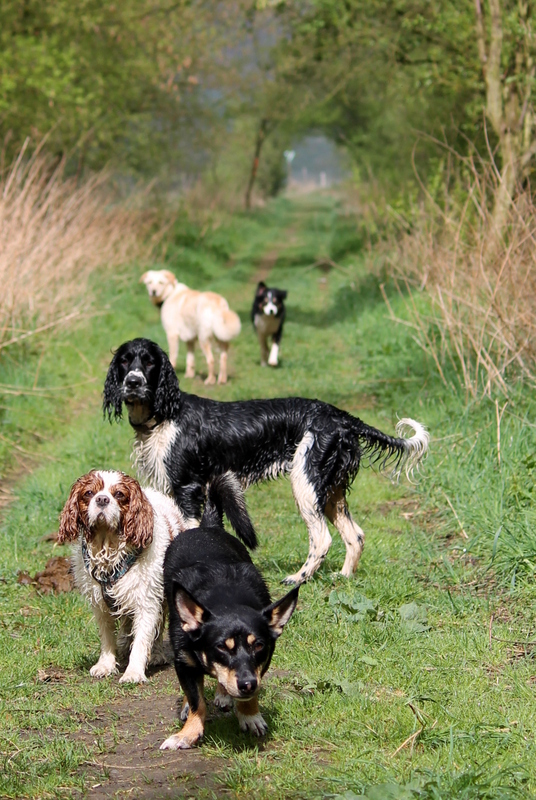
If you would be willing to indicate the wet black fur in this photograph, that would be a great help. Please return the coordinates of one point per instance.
(254, 439)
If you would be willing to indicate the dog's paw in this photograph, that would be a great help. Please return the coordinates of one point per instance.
(294, 580)
(105, 666)
(179, 742)
(190, 373)
(254, 724)
(133, 676)
(222, 700)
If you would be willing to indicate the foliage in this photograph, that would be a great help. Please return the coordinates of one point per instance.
(415, 676)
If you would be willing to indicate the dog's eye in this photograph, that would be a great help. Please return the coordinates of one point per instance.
(119, 495)
(258, 646)
(89, 493)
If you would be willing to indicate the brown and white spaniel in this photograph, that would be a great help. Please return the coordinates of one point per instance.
(122, 532)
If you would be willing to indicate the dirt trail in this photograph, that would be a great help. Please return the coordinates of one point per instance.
(129, 734)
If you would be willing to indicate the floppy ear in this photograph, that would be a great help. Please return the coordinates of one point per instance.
(192, 614)
(279, 613)
(138, 522)
(283, 294)
(143, 277)
(170, 276)
(70, 519)
(167, 395)
(112, 401)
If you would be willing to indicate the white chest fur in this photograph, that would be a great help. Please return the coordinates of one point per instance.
(149, 452)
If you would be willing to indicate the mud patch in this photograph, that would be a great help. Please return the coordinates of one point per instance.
(56, 576)
(128, 763)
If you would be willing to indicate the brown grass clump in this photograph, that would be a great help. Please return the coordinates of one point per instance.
(481, 283)
(54, 232)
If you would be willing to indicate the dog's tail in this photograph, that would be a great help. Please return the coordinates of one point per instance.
(226, 496)
(400, 453)
(226, 325)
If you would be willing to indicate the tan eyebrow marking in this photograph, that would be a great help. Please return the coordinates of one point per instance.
(251, 638)
(230, 644)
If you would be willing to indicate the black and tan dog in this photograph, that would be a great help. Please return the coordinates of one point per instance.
(221, 623)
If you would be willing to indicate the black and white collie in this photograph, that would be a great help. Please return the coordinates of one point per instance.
(184, 441)
(268, 316)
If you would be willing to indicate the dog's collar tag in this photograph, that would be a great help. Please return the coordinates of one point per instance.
(109, 580)
(145, 427)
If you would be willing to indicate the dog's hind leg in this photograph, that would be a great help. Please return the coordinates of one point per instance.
(224, 347)
(307, 502)
(209, 355)
(190, 359)
(173, 346)
(352, 535)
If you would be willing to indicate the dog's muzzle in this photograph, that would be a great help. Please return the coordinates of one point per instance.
(134, 384)
(270, 309)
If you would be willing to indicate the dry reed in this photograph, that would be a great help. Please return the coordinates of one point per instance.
(54, 232)
(481, 285)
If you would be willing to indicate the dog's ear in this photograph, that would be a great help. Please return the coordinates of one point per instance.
(279, 613)
(283, 294)
(170, 276)
(261, 286)
(138, 522)
(167, 395)
(143, 278)
(70, 520)
(112, 401)
(191, 613)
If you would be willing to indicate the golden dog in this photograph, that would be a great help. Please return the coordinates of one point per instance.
(188, 315)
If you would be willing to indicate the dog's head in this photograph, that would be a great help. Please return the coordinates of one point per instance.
(235, 646)
(141, 376)
(160, 284)
(107, 501)
(270, 301)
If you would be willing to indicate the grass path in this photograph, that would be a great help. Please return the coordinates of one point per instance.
(409, 677)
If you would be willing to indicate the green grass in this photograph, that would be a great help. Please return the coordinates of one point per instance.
(424, 642)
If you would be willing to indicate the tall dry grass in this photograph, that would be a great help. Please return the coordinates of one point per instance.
(480, 283)
(54, 232)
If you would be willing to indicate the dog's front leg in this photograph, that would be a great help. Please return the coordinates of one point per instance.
(249, 717)
(263, 341)
(106, 665)
(146, 624)
(192, 731)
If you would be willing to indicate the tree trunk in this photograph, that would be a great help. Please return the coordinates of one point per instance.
(261, 136)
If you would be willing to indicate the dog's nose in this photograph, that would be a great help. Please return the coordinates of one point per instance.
(247, 685)
(102, 501)
(134, 380)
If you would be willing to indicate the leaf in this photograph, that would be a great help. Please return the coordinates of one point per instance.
(372, 662)
(414, 618)
(353, 608)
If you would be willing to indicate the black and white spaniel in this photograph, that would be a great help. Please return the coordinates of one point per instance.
(183, 441)
(122, 533)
